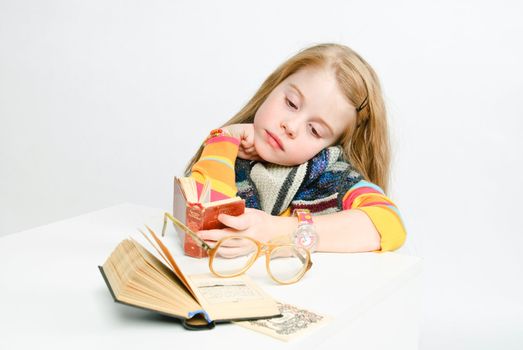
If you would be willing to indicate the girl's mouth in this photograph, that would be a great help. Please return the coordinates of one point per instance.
(274, 141)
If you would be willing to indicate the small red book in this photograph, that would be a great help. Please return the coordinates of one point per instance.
(198, 208)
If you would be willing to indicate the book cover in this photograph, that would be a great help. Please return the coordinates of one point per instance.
(199, 215)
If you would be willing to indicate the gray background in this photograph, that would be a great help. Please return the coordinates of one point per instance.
(102, 102)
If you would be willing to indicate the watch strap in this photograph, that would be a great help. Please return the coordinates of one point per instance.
(304, 216)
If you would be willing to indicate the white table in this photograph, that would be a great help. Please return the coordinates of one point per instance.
(53, 296)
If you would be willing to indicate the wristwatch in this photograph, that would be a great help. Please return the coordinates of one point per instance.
(305, 235)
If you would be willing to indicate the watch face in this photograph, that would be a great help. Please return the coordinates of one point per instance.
(306, 237)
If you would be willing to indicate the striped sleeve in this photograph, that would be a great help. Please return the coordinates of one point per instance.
(217, 165)
(384, 214)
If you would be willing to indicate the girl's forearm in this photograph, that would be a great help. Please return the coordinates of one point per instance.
(344, 231)
(347, 231)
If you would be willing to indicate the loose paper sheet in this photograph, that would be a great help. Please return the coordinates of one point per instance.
(294, 323)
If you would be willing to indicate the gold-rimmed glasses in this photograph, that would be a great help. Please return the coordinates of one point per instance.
(286, 263)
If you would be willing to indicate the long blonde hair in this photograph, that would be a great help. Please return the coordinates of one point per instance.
(366, 143)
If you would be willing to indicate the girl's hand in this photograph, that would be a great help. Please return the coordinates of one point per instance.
(244, 132)
(253, 223)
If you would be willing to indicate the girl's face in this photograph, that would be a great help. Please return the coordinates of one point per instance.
(304, 114)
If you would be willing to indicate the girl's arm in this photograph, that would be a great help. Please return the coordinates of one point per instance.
(219, 156)
(369, 221)
(347, 231)
(344, 231)
(216, 164)
(381, 212)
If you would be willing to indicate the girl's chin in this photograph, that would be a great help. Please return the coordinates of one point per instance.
(268, 154)
(271, 158)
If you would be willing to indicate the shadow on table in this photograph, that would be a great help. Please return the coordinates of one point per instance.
(130, 314)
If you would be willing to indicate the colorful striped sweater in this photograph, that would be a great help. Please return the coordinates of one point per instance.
(217, 163)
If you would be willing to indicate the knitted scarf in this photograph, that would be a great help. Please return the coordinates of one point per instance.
(318, 185)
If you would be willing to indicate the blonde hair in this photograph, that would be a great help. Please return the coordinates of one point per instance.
(366, 143)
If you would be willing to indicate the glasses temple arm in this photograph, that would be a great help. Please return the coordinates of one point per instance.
(187, 230)
(302, 258)
(284, 240)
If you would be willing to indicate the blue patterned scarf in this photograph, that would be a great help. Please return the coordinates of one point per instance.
(318, 185)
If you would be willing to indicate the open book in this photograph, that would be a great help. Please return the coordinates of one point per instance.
(136, 277)
(198, 207)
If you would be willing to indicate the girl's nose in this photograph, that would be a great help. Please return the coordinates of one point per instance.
(289, 129)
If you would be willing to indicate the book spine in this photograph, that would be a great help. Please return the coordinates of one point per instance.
(194, 220)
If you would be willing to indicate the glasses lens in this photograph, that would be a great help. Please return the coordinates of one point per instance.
(288, 263)
(234, 255)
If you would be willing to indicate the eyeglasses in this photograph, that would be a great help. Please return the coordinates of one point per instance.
(285, 263)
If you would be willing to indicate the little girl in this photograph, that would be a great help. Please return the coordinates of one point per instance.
(314, 137)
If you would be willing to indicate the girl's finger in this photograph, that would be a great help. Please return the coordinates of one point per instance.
(214, 235)
(226, 252)
(239, 223)
(247, 143)
(233, 243)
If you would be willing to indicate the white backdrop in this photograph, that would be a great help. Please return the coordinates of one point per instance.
(102, 102)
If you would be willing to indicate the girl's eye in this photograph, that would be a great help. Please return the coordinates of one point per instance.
(290, 104)
(314, 131)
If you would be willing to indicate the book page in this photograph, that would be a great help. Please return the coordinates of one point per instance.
(166, 254)
(205, 196)
(232, 298)
(189, 188)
